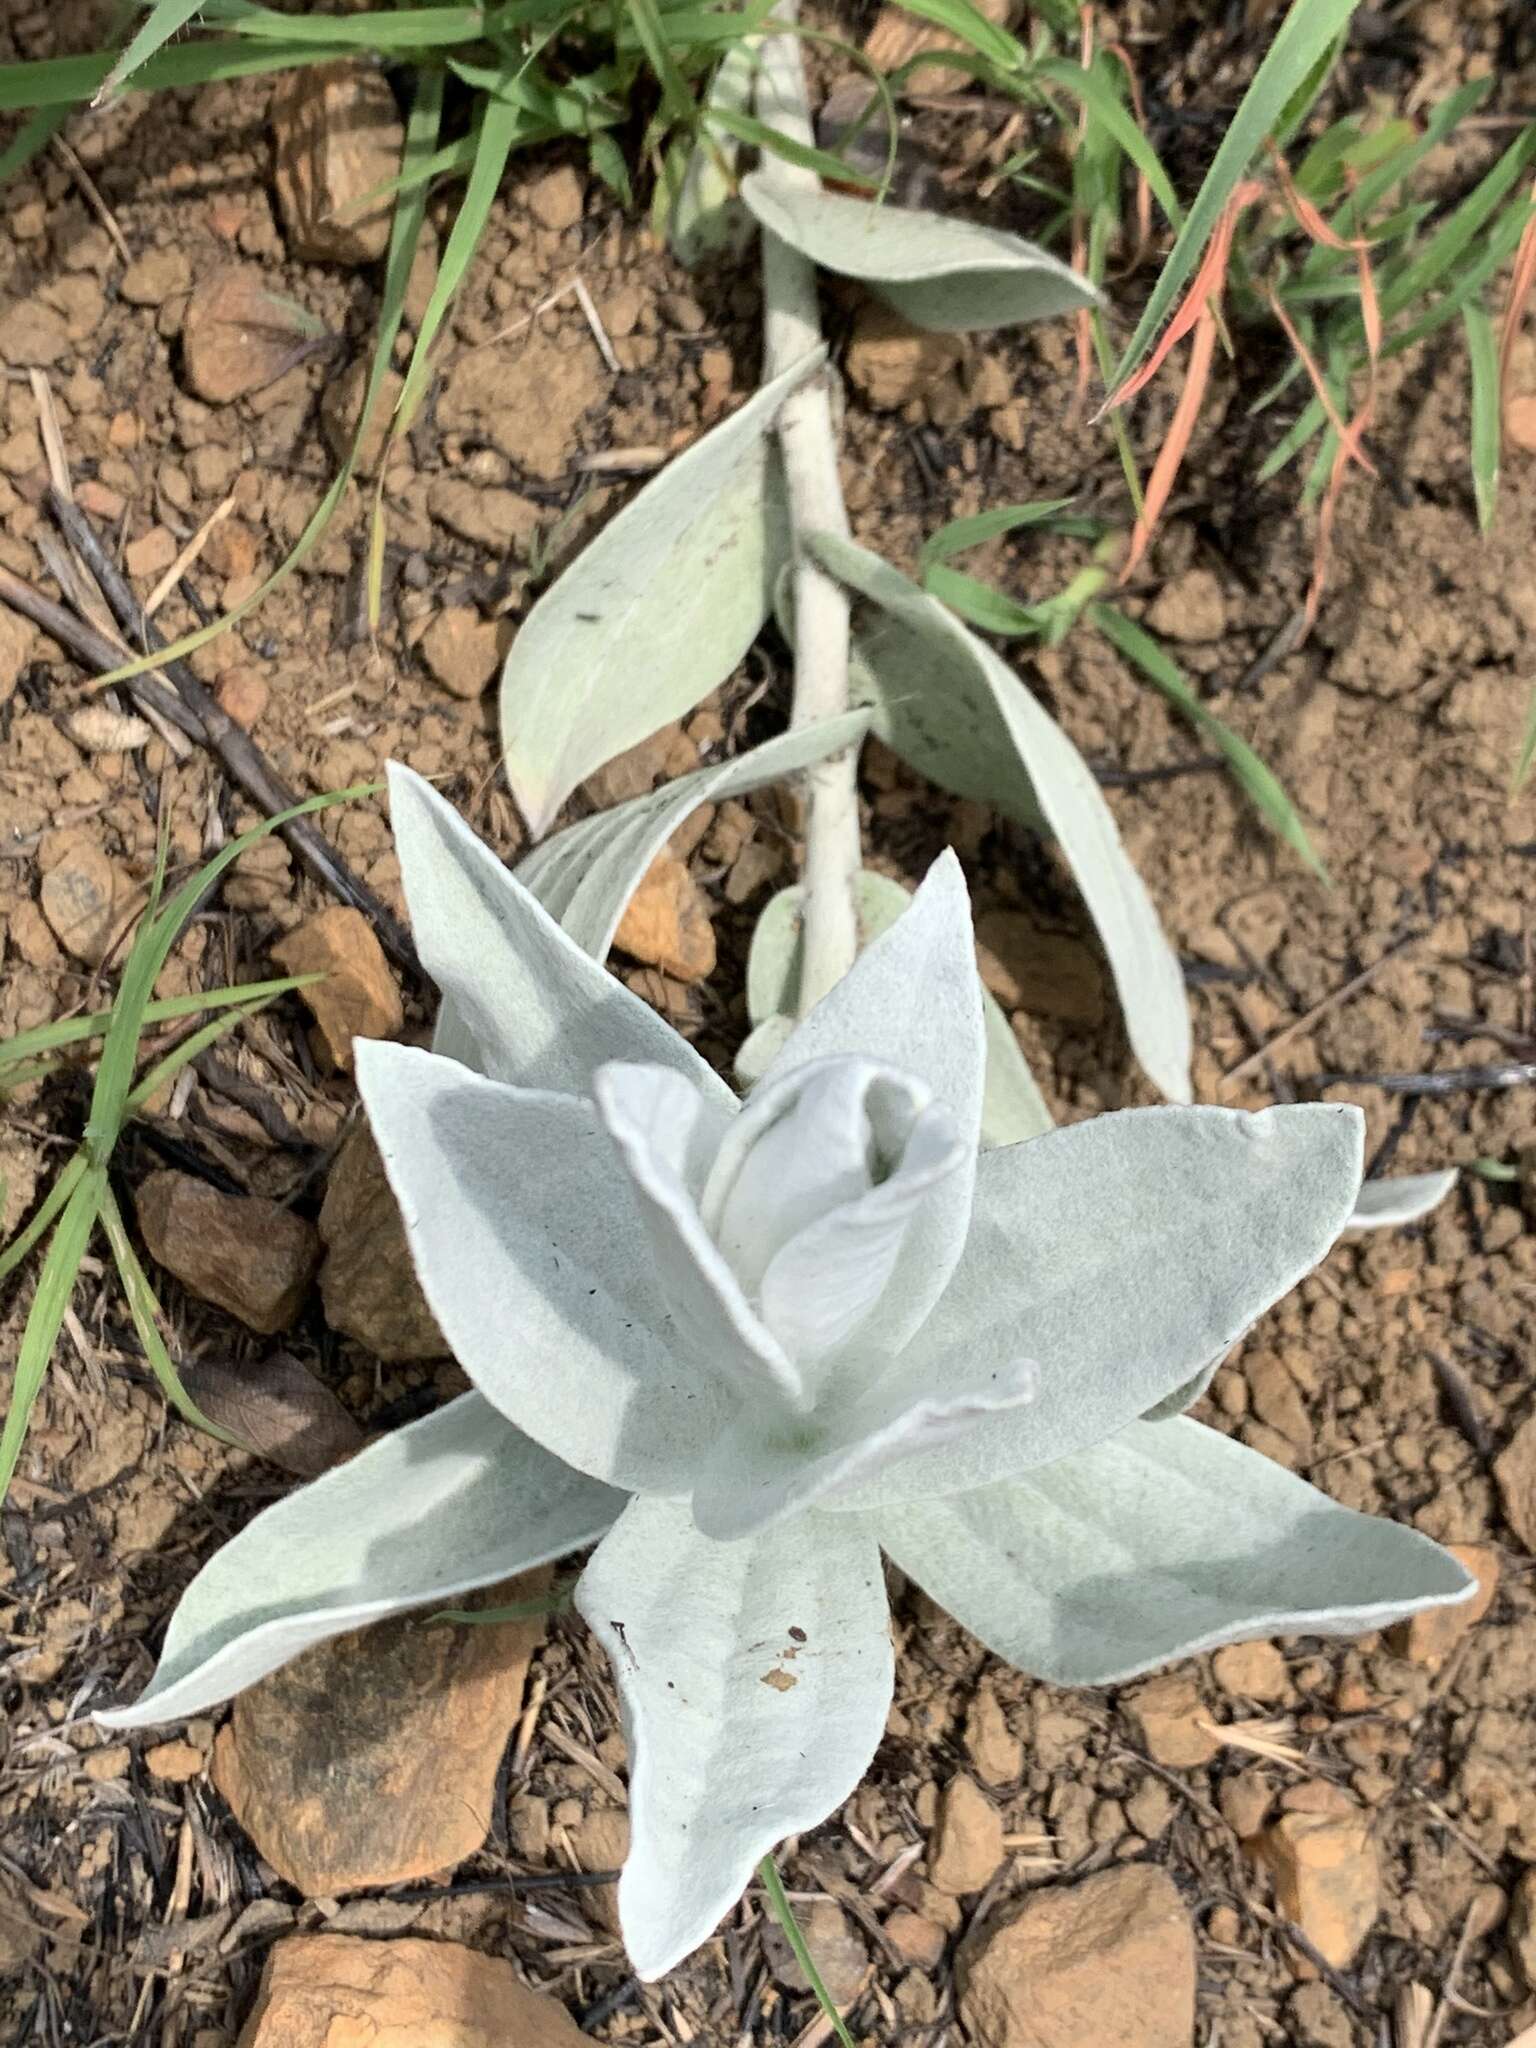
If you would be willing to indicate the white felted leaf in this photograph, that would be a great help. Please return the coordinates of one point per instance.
(1405, 1198)
(953, 708)
(654, 613)
(586, 874)
(754, 1478)
(1166, 1540)
(1123, 1255)
(939, 271)
(538, 1267)
(519, 994)
(815, 1189)
(1012, 1107)
(453, 1502)
(912, 1000)
(665, 1139)
(755, 1679)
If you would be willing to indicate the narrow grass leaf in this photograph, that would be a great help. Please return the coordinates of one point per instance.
(957, 535)
(164, 20)
(145, 1310)
(1305, 35)
(45, 1318)
(33, 135)
(47, 1038)
(32, 1233)
(1112, 114)
(1254, 777)
(1487, 425)
(979, 604)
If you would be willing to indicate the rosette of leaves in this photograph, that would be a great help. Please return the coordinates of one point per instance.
(750, 1345)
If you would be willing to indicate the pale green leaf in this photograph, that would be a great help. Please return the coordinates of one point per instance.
(654, 614)
(942, 273)
(953, 708)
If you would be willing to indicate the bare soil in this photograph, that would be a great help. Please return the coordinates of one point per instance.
(1392, 1378)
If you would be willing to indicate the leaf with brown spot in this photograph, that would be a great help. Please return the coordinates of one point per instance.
(278, 1409)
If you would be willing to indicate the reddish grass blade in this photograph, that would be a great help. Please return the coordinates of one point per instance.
(1170, 456)
(1522, 279)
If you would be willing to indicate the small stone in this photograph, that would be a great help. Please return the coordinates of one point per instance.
(665, 755)
(556, 199)
(156, 276)
(1149, 1808)
(892, 362)
(1245, 1800)
(341, 407)
(104, 1765)
(336, 137)
(1521, 1928)
(151, 554)
(601, 1842)
(372, 1758)
(1277, 1400)
(666, 922)
(358, 997)
(965, 1850)
(76, 899)
(236, 337)
(1166, 1711)
(368, 1284)
(242, 694)
(175, 1762)
(994, 1749)
(1326, 1879)
(1107, 1963)
(1251, 1671)
(341, 1991)
(16, 641)
(916, 1939)
(1190, 608)
(485, 515)
(897, 37)
(32, 336)
(1318, 2019)
(464, 651)
(836, 1949)
(245, 1254)
(1515, 1471)
(1429, 1637)
(1047, 973)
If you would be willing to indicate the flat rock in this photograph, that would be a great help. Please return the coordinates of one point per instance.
(336, 137)
(555, 200)
(526, 402)
(358, 997)
(1167, 1712)
(666, 922)
(1326, 1878)
(245, 1254)
(76, 897)
(991, 1744)
(32, 336)
(892, 362)
(965, 1850)
(342, 1991)
(1108, 1963)
(368, 1283)
(601, 1842)
(464, 651)
(1429, 1638)
(235, 336)
(1050, 974)
(372, 1758)
(1515, 1471)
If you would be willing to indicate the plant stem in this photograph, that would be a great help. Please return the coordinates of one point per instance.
(808, 440)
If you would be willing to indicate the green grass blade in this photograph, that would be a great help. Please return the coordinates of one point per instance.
(980, 604)
(152, 942)
(55, 1284)
(677, 101)
(72, 81)
(1445, 249)
(974, 30)
(1487, 426)
(194, 1044)
(784, 1913)
(960, 534)
(746, 128)
(32, 136)
(1258, 781)
(165, 19)
(1111, 112)
(49, 1207)
(1305, 34)
(1527, 756)
(47, 1038)
(144, 1308)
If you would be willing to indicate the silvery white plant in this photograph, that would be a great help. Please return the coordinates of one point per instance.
(750, 1345)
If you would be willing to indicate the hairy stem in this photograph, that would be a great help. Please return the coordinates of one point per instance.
(808, 440)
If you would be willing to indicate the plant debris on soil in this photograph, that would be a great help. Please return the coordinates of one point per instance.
(1305, 1841)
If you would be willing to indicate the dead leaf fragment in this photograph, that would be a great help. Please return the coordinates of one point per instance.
(279, 1410)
